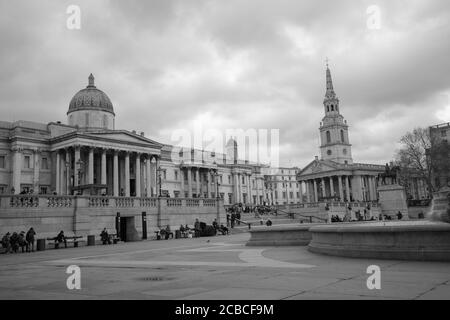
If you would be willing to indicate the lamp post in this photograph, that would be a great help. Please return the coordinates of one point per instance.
(216, 179)
(159, 172)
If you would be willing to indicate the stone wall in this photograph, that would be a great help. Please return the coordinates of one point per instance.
(84, 215)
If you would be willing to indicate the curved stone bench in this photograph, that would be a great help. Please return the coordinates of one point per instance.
(411, 240)
(290, 235)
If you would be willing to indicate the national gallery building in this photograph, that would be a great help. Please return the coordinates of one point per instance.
(89, 156)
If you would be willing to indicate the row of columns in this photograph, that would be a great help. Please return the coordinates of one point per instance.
(363, 188)
(69, 171)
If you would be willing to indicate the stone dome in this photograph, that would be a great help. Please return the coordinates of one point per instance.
(91, 98)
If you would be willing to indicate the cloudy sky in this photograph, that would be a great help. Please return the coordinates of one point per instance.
(231, 64)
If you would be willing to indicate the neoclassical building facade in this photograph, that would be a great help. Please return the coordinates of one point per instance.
(89, 156)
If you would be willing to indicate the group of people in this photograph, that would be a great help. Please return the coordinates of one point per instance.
(187, 232)
(11, 243)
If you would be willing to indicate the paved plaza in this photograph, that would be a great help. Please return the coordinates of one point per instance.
(221, 267)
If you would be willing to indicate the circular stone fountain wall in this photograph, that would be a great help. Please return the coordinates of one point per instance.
(292, 235)
(396, 240)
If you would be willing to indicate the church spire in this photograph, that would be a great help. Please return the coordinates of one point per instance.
(330, 91)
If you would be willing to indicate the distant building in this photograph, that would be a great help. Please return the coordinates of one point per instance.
(334, 177)
(438, 155)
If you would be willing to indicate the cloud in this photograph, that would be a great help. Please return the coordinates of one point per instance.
(237, 64)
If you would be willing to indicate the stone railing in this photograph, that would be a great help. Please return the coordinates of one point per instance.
(59, 201)
(192, 202)
(98, 202)
(209, 202)
(24, 201)
(124, 202)
(174, 202)
(147, 202)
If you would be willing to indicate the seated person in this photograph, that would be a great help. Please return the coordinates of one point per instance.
(215, 224)
(167, 232)
(224, 229)
(60, 238)
(104, 236)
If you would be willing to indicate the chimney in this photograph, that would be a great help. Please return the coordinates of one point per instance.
(142, 134)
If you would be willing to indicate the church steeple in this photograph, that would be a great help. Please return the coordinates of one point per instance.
(334, 139)
(330, 91)
(330, 102)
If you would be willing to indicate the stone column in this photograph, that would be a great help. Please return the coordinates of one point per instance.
(103, 179)
(324, 190)
(249, 188)
(341, 193)
(116, 173)
(347, 188)
(316, 199)
(17, 169)
(158, 184)
(182, 195)
(68, 168)
(197, 177)
(138, 175)
(77, 175)
(91, 166)
(307, 190)
(36, 169)
(331, 187)
(149, 175)
(58, 173)
(208, 173)
(189, 173)
(127, 174)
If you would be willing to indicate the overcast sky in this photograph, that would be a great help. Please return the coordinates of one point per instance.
(234, 64)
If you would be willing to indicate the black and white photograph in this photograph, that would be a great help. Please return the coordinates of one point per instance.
(224, 156)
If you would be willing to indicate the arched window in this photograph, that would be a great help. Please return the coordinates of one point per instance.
(105, 121)
(332, 108)
(342, 136)
(328, 137)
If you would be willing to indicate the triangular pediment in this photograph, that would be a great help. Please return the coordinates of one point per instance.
(317, 166)
(124, 136)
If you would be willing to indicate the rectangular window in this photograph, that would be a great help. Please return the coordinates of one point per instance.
(176, 175)
(220, 179)
(2, 162)
(230, 198)
(2, 189)
(243, 180)
(443, 133)
(43, 190)
(229, 179)
(176, 194)
(164, 175)
(44, 164)
(26, 162)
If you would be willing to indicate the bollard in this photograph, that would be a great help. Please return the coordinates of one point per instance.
(91, 240)
(40, 245)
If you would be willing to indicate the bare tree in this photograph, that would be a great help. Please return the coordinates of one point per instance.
(412, 156)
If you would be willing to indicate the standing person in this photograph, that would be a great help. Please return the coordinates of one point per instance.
(233, 219)
(238, 217)
(14, 241)
(6, 243)
(22, 242)
(104, 236)
(30, 239)
(228, 219)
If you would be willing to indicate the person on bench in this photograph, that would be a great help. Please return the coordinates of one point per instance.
(105, 237)
(215, 224)
(60, 238)
(166, 232)
(224, 230)
(6, 243)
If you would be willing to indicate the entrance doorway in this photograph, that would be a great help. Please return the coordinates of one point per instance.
(127, 230)
(133, 187)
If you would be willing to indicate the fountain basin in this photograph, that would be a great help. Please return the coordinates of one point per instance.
(288, 235)
(395, 240)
